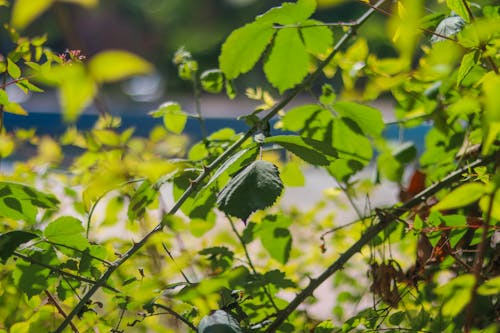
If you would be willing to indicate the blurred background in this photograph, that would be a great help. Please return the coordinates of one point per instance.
(155, 29)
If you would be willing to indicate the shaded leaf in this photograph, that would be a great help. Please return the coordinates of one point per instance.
(10, 241)
(219, 321)
(257, 186)
(212, 81)
(144, 196)
(312, 151)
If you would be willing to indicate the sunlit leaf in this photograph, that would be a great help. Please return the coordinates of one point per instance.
(287, 52)
(317, 39)
(67, 230)
(243, 48)
(276, 237)
(461, 196)
(366, 117)
(13, 70)
(174, 118)
(109, 66)
(25, 11)
(460, 8)
(142, 197)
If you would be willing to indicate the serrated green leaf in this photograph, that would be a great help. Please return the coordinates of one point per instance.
(288, 61)
(219, 321)
(350, 142)
(369, 119)
(317, 39)
(212, 81)
(114, 65)
(10, 241)
(289, 12)
(243, 48)
(256, 186)
(276, 237)
(461, 196)
(67, 230)
(312, 151)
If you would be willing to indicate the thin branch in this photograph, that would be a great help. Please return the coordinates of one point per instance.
(54, 302)
(384, 221)
(479, 259)
(176, 315)
(175, 263)
(60, 271)
(249, 260)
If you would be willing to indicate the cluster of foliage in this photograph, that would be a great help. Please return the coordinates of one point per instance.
(95, 243)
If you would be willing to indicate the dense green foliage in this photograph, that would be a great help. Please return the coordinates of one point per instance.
(144, 234)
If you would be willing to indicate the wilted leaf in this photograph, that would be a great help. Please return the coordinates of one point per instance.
(257, 186)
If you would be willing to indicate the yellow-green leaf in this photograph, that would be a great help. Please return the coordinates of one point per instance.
(15, 108)
(459, 7)
(13, 69)
(25, 11)
(84, 3)
(461, 196)
(115, 65)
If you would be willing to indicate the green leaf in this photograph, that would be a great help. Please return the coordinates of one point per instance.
(459, 7)
(13, 70)
(461, 196)
(220, 257)
(292, 175)
(109, 66)
(324, 327)
(288, 62)
(67, 230)
(289, 12)
(243, 48)
(468, 61)
(21, 202)
(212, 81)
(144, 196)
(256, 186)
(490, 287)
(275, 237)
(10, 241)
(455, 294)
(350, 142)
(318, 39)
(25, 11)
(174, 118)
(219, 321)
(369, 119)
(312, 151)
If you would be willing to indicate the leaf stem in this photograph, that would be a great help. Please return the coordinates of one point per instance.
(176, 315)
(479, 258)
(54, 302)
(60, 271)
(249, 260)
